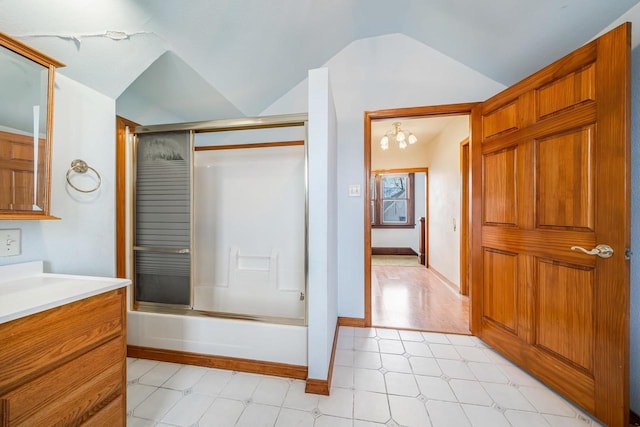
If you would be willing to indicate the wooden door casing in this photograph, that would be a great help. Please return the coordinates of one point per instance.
(465, 241)
(397, 113)
(121, 193)
(550, 165)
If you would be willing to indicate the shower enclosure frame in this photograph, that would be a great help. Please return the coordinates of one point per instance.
(225, 125)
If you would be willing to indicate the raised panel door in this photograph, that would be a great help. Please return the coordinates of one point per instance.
(500, 202)
(550, 171)
(565, 311)
(565, 176)
(500, 299)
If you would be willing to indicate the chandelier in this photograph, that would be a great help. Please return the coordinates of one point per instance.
(399, 135)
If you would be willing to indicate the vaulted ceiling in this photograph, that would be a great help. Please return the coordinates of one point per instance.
(242, 55)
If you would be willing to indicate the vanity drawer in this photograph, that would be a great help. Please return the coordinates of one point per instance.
(71, 392)
(111, 415)
(34, 345)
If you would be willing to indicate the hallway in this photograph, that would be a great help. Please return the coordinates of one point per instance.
(415, 298)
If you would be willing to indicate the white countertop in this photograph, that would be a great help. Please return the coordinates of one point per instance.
(25, 289)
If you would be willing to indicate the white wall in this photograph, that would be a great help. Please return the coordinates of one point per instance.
(364, 77)
(83, 241)
(444, 199)
(404, 237)
(322, 224)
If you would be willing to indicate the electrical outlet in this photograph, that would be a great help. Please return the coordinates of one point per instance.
(10, 243)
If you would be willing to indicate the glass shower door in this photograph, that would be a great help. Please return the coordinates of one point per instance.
(162, 218)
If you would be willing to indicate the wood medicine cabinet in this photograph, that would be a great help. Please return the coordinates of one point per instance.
(26, 121)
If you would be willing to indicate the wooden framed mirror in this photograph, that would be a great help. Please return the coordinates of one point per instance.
(26, 123)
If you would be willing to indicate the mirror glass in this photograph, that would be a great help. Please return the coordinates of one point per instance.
(24, 130)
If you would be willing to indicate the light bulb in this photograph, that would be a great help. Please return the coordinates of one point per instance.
(400, 136)
(384, 143)
(402, 145)
(412, 139)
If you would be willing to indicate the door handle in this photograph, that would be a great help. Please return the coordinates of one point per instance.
(603, 251)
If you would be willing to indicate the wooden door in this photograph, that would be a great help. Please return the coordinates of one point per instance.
(17, 172)
(551, 160)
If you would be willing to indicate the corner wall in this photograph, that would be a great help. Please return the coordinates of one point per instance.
(364, 78)
(83, 241)
(322, 227)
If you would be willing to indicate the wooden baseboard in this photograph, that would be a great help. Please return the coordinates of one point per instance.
(393, 251)
(221, 362)
(314, 386)
(317, 386)
(634, 419)
(444, 279)
(351, 321)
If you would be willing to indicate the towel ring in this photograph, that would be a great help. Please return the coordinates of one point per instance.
(80, 166)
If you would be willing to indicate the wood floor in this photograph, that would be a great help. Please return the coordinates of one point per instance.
(415, 298)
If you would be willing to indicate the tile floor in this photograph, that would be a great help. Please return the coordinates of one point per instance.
(381, 377)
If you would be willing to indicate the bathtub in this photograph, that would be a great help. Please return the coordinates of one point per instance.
(215, 336)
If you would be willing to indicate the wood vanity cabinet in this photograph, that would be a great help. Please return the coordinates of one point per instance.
(66, 366)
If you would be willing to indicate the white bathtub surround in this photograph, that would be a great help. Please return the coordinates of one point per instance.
(25, 289)
(287, 305)
(242, 339)
(248, 260)
(244, 263)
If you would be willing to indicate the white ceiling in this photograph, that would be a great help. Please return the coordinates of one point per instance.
(245, 54)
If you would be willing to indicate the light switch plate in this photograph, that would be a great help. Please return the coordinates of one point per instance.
(354, 190)
(10, 242)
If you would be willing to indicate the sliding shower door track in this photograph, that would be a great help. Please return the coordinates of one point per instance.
(159, 308)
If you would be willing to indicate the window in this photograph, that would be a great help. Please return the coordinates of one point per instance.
(392, 200)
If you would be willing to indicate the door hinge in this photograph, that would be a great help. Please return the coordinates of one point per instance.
(627, 253)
